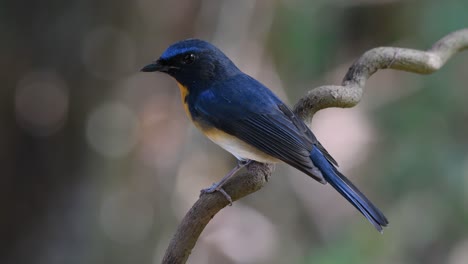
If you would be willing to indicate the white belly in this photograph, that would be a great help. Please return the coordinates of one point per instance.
(238, 148)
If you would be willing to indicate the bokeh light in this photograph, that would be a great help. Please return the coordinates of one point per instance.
(112, 129)
(459, 253)
(256, 235)
(41, 103)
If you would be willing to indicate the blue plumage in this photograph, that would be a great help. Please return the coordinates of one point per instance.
(186, 46)
(348, 190)
(247, 119)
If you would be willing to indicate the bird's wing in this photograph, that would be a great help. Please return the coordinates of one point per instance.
(259, 118)
(302, 127)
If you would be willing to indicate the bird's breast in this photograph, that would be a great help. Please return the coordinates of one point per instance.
(240, 149)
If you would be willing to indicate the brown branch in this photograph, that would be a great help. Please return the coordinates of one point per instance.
(209, 205)
(347, 95)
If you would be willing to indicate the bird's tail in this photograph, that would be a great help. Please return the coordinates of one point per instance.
(348, 190)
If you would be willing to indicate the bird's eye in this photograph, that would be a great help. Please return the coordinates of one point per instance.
(188, 59)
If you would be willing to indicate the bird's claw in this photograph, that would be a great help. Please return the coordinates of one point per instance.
(213, 188)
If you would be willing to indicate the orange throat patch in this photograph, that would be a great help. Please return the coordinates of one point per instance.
(183, 95)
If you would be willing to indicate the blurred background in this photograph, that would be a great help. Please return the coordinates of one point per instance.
(99, 162)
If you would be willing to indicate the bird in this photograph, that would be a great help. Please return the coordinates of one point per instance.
(247, 119)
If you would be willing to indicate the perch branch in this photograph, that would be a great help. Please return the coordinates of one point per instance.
(348, 94)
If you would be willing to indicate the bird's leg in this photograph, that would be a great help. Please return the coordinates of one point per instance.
(218, 186)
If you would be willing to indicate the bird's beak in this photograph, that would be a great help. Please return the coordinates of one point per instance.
(155, 66)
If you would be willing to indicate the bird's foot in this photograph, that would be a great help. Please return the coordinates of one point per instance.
(218, 186)
(215, 187)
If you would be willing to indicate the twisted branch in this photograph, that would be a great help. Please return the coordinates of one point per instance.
(347, 95)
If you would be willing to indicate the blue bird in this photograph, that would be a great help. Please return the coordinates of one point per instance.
(245, 118)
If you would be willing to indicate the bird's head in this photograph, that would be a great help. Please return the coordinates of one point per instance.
(194, 62)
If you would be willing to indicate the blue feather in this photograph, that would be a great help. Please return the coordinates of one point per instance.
(348, 190)
(186, 46)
